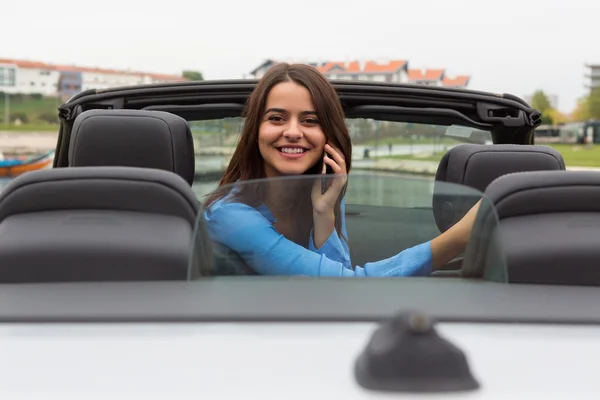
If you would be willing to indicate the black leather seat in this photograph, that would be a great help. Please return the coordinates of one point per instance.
(146, 139)
(133, 138)
(98, 224)
(546, 227)
(476, 166)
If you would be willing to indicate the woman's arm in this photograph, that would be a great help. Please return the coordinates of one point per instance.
(335, 246)
(247, 232)
(453, 242)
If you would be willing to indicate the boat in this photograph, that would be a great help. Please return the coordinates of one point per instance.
(12, 167)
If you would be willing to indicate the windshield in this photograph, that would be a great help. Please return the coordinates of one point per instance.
(377, 145)
(383, 227)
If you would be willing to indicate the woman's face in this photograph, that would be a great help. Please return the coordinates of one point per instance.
(290, 138)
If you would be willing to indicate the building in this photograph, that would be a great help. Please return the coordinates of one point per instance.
(593, 76)
(34, 77)
(393, 71)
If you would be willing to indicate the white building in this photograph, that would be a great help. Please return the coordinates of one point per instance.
(593, 76)
(33, 77)
(394, 71)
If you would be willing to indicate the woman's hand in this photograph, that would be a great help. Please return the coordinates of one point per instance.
(325, 203)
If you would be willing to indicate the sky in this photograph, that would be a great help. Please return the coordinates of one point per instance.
(509, 46)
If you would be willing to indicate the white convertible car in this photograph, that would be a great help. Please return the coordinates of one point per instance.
(111, 285)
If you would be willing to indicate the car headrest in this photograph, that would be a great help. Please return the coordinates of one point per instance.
(548, 224)
(100, 188)
(99, 224)
(476, 166)
(133, 138)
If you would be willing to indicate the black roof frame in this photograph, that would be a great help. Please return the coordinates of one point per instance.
(507, 117)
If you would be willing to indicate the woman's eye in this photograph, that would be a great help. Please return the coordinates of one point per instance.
(311, 121)
(275, 118)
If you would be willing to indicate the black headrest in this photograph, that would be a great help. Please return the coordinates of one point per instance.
(100, 188)
(476, 166)
(133, 138)
(98, 224)
(548, 224)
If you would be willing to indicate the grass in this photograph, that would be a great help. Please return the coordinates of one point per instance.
(574, 155)
(579, 156)
(30, 128)
(34, 111)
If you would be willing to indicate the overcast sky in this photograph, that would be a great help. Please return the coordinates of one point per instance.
(513, 46)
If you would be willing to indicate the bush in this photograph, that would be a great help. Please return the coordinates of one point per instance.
(48, 117)
(19, 115)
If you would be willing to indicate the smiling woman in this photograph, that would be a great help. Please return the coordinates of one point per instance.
(294, 125)
(290, 138)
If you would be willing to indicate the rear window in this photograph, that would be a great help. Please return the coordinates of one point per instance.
(401, 147)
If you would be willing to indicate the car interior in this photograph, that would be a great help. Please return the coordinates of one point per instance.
(125, 184)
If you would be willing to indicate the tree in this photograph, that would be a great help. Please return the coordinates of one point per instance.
(557, 116)
(193, 75)
(547, 118)
(540, 101)
(594, 103)
(582, 110)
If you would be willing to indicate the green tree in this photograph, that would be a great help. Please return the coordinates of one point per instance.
(540, 102)
(593, 101)
(193, 75)
(582, 110)
(547, 118)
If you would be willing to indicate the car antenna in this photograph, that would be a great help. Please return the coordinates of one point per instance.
(406, 354)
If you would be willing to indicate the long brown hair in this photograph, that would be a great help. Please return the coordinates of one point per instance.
(247, 162)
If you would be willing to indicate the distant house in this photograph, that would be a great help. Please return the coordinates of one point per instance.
(8, 76)
(35, 77)
(429, 77)
(376, 71)
(460, 81)
(393, 71)
(69, 84)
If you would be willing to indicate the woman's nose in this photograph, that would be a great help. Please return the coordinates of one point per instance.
(293, 131)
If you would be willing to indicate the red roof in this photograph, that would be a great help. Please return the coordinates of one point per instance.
(461, 80)
(355, 67)
(425, 75)
(40, 65)
(26, 64)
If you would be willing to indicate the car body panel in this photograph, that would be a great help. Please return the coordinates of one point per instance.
(278, 361)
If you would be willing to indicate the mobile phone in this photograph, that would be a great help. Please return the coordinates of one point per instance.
(323, 179)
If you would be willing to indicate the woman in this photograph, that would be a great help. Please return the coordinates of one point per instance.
(294, 123)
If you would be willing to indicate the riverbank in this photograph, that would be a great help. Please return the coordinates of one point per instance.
(18, 143)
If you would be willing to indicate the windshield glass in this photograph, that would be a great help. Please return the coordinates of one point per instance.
(382, 227)
(403, 147)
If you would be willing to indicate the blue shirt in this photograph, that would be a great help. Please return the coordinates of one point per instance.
(250, 233)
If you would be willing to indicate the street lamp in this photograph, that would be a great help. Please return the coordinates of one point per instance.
(8, 79)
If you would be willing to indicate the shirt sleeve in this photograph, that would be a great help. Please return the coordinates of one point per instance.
(335, 248)
(247, 232)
